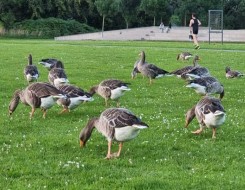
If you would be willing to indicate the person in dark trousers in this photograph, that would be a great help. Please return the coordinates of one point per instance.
(194, 26)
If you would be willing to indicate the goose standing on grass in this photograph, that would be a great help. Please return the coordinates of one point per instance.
(232, 74)
(30, 71)
(209, 113)
(75, 96)
(149, 70)
(207, 86)
(57, 77)
(50, 63)
(116, 124)
(184, 56)
(180, 72)
(37, 95)
(110, 89)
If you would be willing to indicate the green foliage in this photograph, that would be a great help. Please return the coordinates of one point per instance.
(45, 153)
(51, 27)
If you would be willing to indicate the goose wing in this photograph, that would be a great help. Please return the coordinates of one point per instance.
(72, 91)
(43, 89)
(56, 73)
(113, 83)
(156, 69)
(182, 70)
(120, 117)
(31, 69)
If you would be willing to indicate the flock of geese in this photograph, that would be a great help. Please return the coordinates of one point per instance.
(120, 124)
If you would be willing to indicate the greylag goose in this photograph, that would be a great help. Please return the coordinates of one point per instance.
(209, 113)
(116, 124)
(57, 77)
(206, 86)
(37, 95)
(196, 72)
(180, 72)
(110, 89)
(30, 71)
(75, 96)
(50, 63)
(184, 56)
(149, 70)
(232, 74)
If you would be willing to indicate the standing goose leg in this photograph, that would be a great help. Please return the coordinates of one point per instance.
(120, 149)
(32, 112)
(214, 133)
(109, 150)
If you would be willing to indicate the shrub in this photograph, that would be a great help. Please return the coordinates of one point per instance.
(49, 28)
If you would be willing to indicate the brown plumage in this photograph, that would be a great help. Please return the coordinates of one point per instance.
(184, 56)
(116, 124)
(209, 113)
(30, 71)
(57, 77)
(50, 63)
(232, 74)
(37, 95)
(149, 70)
(110, 89)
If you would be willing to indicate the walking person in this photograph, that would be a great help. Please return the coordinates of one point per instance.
(161, 27)
(194, 26)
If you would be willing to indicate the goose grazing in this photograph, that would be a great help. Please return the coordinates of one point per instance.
(57, 77)
(209, 113)
(196, 72)
(30, 71)
(110, 89)
(206, 86)
(149, 70)
(232, 74)
(75, 96)
(37, 95)
(116, 124)
(180, 72)
(184, 56)
(51, 63)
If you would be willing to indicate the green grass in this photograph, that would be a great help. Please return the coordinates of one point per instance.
(45, 153)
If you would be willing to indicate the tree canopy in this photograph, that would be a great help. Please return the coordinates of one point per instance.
(115, 14)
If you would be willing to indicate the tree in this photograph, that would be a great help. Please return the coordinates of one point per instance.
(128, 9)
(106, 8)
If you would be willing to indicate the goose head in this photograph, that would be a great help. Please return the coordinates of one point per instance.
(14, 101)
(227, 69)
(87, 132)
(189, 116)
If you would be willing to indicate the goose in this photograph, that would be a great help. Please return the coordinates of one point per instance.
(209, 113)
(37, 95)
(57, 77)
(184, 56)
(50, 63)
(135, 70)
(196, 72)
(30, 71)
(206, 86)
(149, 70)
(180, 72)
(116, 124)
(110, 89)
(232, 74)
(75, 96)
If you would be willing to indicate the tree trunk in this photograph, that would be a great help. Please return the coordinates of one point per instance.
(103, 24)
(154, 22)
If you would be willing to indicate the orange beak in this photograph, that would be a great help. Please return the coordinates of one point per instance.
(81, 144)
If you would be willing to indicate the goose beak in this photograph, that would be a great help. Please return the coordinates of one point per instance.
(81, 144)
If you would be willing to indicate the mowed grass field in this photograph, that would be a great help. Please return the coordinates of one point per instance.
(45, 153)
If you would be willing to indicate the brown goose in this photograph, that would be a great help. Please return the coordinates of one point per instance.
(110, 89)
(57, 77)
(196, 72)
(209, 113)
(232, 74)
(184, 56)
(180, 72)
(50, 63)
(75, 96)
(30, 71)
(149, 70)
(37, 95)
(207, 86)
(116, 124)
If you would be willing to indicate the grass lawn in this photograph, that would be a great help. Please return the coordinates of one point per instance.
(45, 153)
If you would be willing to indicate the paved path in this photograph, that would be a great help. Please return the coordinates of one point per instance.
(154, 33)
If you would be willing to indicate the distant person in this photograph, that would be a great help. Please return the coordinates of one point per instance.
(169, 27)
(161, 27)
(194, 26)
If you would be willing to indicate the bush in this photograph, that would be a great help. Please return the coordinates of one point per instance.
(49, 28)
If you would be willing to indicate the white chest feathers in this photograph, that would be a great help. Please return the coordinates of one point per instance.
(31, 78)
(198, 88)
(214, 119)
(127, 133)
(47, 102)
(118, 92)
